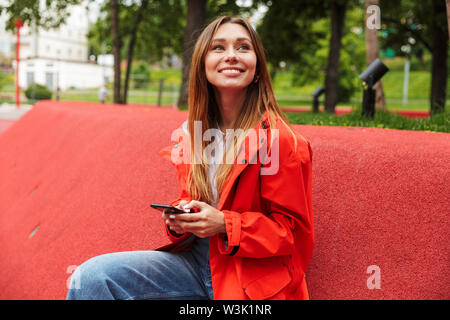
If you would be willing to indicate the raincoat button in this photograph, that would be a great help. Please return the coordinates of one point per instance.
(244, 161)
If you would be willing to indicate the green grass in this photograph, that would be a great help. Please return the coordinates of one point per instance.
(287, 95)
(382, 119)
(418, 87)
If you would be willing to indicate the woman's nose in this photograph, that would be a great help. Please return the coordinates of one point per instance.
(230, 55)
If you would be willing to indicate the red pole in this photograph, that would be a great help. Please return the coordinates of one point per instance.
(19, 24)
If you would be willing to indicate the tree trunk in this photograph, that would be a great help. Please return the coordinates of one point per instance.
(372, 53)
(448, 16)
(439, 61)
(131, 44)
(116, 48)
(332, 73)
(196, 16)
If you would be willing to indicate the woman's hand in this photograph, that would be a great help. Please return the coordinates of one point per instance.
(206, 223)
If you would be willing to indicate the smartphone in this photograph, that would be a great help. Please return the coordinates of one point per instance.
(169, 209)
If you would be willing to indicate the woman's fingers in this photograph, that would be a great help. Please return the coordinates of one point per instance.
(173, 225)
(195, 204)
(181, 204)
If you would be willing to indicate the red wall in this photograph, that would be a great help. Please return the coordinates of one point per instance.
(85, 174)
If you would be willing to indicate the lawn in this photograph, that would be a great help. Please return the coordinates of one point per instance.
(287, 95)
(382, 119)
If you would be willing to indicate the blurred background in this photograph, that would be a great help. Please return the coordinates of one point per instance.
(138, 51)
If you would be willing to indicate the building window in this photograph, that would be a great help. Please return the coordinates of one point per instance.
(30, 78)
(49, 80)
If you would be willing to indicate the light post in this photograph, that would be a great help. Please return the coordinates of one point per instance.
(316, 94)
(19, 24)
(374, 72)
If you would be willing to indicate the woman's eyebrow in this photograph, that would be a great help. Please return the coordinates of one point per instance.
(237, 39)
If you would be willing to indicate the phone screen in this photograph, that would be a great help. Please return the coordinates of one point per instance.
(169, 209)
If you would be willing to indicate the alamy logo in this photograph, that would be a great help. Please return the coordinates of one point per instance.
(373, 17)
(374, 280)
(254, 144)
(73, 281)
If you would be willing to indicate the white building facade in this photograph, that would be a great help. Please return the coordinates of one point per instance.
(59, 58)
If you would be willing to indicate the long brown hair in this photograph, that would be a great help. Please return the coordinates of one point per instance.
(203, 107)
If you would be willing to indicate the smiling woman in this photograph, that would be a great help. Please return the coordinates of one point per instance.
(230, 63)
(251, 235)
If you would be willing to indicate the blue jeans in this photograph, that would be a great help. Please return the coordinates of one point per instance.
(139, 275)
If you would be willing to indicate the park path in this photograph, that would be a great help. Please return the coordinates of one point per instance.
(9, 113)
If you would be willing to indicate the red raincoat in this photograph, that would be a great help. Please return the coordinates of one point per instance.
(269, 221)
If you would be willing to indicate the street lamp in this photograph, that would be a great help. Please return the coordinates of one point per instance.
(374, 72)
(19, 24)
(316, 94)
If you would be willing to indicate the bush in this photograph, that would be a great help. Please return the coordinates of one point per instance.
(141, 74)
(38, 92)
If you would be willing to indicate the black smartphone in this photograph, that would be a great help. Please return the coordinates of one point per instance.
(169, 209)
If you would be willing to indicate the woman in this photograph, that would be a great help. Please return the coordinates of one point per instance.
(251, 236)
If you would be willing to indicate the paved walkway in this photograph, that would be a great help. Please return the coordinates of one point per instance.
(11, 112)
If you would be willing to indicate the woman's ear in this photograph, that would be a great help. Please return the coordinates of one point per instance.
(255, 80)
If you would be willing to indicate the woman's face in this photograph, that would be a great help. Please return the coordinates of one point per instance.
(231, 60)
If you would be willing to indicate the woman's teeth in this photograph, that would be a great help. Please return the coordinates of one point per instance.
(230, 71)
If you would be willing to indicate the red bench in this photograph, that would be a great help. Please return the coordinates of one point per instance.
(76, 181)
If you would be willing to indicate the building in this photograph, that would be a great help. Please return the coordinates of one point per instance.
(56, 57)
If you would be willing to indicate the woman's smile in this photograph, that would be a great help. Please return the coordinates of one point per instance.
(231, 71)
(231, 60)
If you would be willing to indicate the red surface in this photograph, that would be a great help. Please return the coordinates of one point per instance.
(86, 173)
(5, 124)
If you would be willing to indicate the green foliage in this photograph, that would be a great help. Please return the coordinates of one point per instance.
(288, 33)
(216, 8)
(160, 33)
(141, 74)
(382, 119)
(409, 19)
(30, 12)
(38, 92)
(351, 60)
(5, 79)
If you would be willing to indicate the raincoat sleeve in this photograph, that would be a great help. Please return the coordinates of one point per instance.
(287, 220)
(167, 153)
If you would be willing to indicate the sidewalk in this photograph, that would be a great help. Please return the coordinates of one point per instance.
(11, 112)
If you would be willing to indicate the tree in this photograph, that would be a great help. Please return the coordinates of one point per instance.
(292, 24)
(438, 94)
(337, 9)
(33, 14)
(116, 49)
(448, 16)
(131, 44)
(147, 29)
(196, 16)
(372, 53)
(426, 23)
(297, 34)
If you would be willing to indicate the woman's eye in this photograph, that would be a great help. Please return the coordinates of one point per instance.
(244, 47)
(217, 48)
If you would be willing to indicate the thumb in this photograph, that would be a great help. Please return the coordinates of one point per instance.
(194, 204)
(182, 203)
